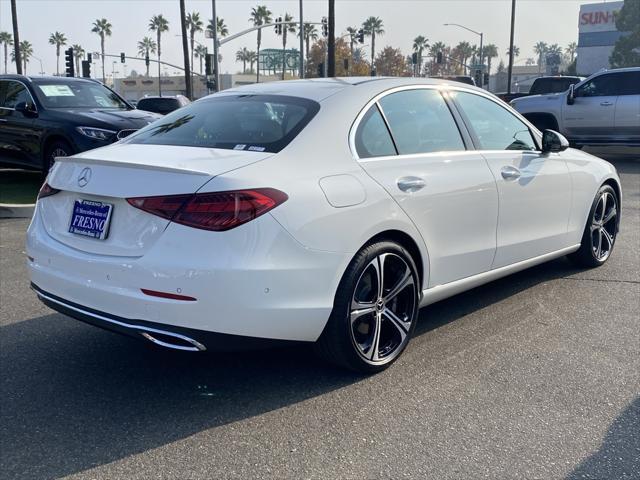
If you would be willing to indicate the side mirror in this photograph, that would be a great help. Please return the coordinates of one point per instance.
(571, 96)
(553, 141)
(28, 109)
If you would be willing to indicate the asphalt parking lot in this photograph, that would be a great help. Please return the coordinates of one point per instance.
(534, 376)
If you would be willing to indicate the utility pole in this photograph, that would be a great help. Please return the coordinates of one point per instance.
(16, 38)
(331, 60)
(216, 77)
(301, 75)
(185, 52)
(513, 21)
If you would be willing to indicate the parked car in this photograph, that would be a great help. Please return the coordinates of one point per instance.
(604, 109)
(542, 86)
(324, 212)
(162, 105)
(42, 118)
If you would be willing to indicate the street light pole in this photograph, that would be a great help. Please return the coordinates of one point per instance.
(513, 21)
(216, 77)
(480, 34)
(301, 75)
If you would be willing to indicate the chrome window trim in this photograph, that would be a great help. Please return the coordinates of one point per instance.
(25, 87)
(443, 88)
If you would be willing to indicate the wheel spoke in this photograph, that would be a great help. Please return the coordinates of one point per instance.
(372, 354)
(360, 310)
(380, 272)
(598, 246)
(612, 213)
(608, 237)
(404, 282)
(604, 205)
(401, 326)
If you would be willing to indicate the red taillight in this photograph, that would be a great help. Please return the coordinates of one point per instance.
(216, 211)
(46, 191)
(172, 296)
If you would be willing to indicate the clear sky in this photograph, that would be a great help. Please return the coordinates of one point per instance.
(552, 21)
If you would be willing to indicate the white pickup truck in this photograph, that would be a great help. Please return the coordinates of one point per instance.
(603, 109)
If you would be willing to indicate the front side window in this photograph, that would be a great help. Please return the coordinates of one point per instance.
(57, 94)
(494, 126)
(15, 92)
(601, 86)
(421, 122)
(258, 123)
(372, 137)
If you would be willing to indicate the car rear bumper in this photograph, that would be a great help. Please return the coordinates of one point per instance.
(253, 281)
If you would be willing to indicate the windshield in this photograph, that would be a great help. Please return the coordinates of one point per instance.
(159, 105)
(54, 94)
(259, 123)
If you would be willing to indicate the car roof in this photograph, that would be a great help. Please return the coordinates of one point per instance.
(157, 97)
(319, 89)
(45, 78)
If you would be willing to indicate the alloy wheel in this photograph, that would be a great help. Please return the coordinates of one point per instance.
(604, 226)
(383, 308)
(57, 152)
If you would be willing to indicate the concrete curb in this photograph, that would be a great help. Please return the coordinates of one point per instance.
(10, 210)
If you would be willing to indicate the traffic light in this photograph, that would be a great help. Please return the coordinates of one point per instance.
(68, 61)
(477, 77)
(321, 70)
(325, 27)
(86, 69)
(208, 64)
(122, 59)
(360, 36)
(439, 57)
(278, 27)
(414, 58)
(89, 59)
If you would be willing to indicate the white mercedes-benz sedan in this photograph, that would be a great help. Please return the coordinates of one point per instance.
(324, 211)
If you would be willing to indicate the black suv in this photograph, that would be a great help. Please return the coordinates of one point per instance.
(162, 105)
(46, 117)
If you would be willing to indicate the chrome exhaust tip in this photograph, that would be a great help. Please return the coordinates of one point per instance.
(172, 340)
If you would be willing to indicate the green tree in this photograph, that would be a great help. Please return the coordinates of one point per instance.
(59, 40)
(540, 49)
(200, 53)
(420, 44)
(391, 62)
(284, 30)
(310, 33)
(626, 52)
(6, 40)
(159, 24)
(259, 16)
(464, 51)
(490, 52)
(78, 54)
(194, 24)
(570, 51)
(146, 47)
(26, 51)
(516, 51)
(241, 56)
(373, 26)
(103, 28)
(353, 32)
(223, 31)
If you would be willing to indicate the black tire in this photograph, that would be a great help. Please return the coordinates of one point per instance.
(58, 148)
(591, 254)
(341, 341)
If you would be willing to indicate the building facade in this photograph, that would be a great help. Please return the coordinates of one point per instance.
(597, 35)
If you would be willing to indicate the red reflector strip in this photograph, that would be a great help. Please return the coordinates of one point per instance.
(172, 296)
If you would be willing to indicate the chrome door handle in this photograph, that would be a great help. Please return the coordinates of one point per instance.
(606, 104)
(510, 173)
(410, 184)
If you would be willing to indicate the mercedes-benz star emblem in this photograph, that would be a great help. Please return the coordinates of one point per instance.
(84, 177)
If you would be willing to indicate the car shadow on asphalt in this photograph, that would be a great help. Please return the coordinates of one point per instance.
(619, 454)
(75, 397)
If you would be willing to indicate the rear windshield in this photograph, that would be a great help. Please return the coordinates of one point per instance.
(551, 85)
(159, 105)
(259, 123)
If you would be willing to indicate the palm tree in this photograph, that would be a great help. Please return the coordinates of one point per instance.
(6, 40)
(465, 50)
(103, 28)
(490, 52)
(571, 51)
(241, 56)
(372, 26)
(147, 46)
(259, 16)
(26, 50)
(159, 24)
(310, 33)
(195, 24)
(200, 53)
(251, 58)
(58, 39)
(78, 54)
(353, 32)
(420, 43)
(223, 31)
(516, 51)
(540, 49)
(554, 49)
(284, 29)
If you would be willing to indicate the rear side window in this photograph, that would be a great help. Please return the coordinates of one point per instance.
(259, 123)
(421, 122)
(494, 126)
(628, 83)
(372, 137)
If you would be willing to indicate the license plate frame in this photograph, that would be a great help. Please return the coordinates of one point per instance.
(90, 218)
